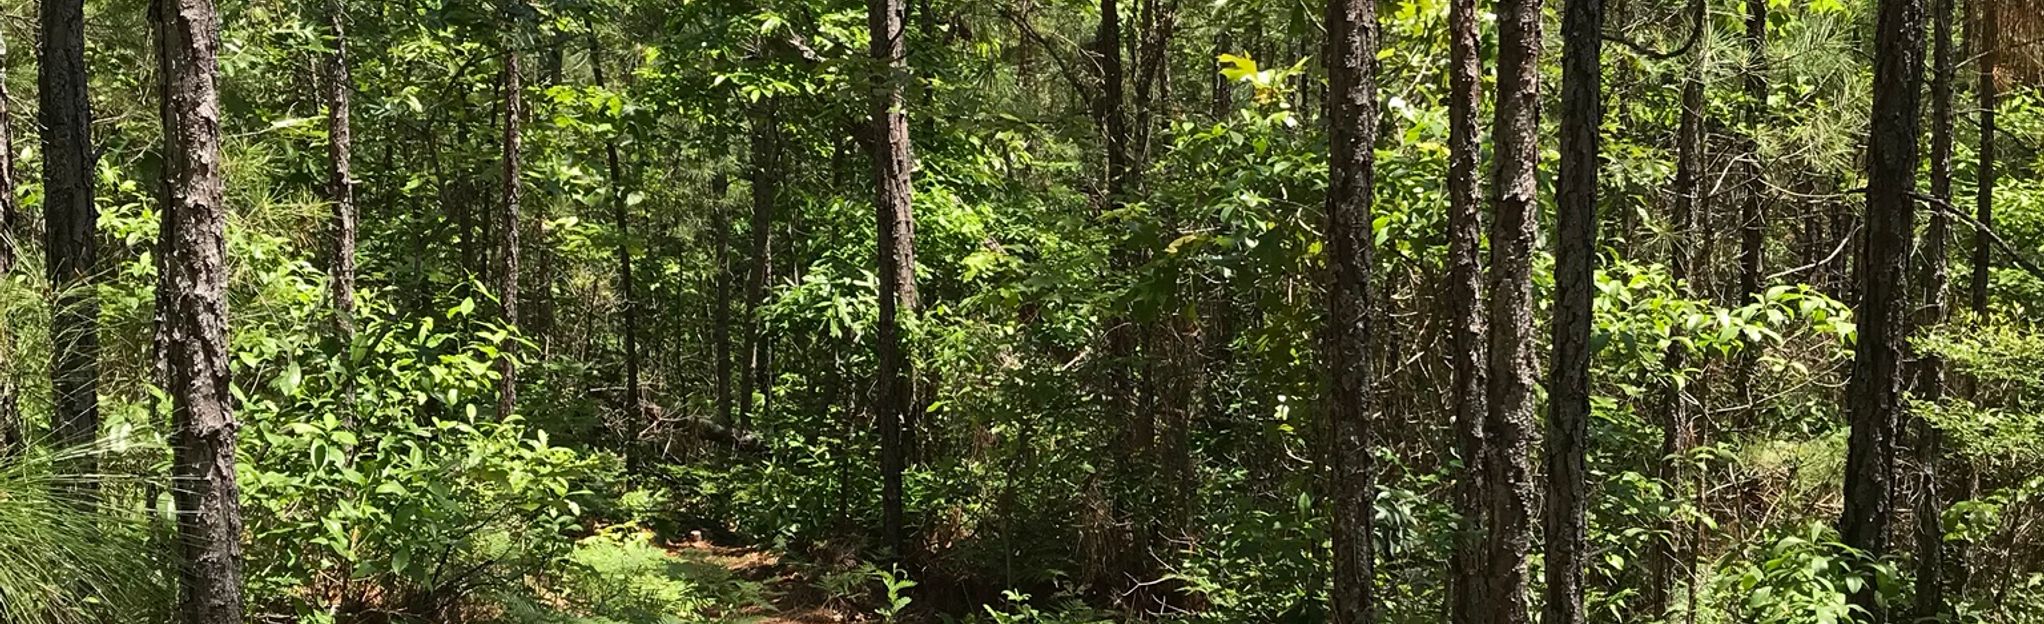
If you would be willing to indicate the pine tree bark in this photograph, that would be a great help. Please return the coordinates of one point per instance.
(507, 231)
(70, 234)
(896, 259)
(1509, 419)
(340, 183)
(1928, 377)
(766, 173)
(621, 217)
(1989, 95)
(1567, 443)
(192, 331)
(1677, 436)
(1466, 329)
(1352, 112)
(1874, 392)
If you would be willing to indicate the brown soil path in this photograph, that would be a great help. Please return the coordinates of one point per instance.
(791, 596)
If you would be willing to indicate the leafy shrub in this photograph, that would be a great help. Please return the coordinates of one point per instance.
(406, 497)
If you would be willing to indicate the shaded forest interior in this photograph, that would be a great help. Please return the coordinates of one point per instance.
(723, 311)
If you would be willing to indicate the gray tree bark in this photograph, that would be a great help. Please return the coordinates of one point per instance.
(70, 235)
(896, 258)
(1351, 58)
(1468, 595)
(1568, 422)
(1874, 392)
(1509, 419)
(192, 330)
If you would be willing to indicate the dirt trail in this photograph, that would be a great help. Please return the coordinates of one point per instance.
(790, 596)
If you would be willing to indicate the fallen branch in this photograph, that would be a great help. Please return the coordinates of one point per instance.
(2014, 255)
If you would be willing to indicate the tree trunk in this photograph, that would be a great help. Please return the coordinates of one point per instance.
(1665, 558)
(70, 232)
(1509, 419)
(1874, 393)
(1752, 219)
(720, 308)
(340, 184)
(896, 261)
(1136, 425)
(193, 329)
(1568, 423)
(1351, 58)
(1467, 593)
(507, 232)
(766, 173)
(620, 215)
(1928, 378)
(1989, 94)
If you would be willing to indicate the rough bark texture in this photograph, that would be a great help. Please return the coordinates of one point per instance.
(629, 314)
(70, 228)
(1351, 58)
(192, 331)
(896, 224)
(1928, 378)
(340, 184)
(507, 232)
(1568, 421)
(765, 172)
(1465, 311)
(1873, 396)
(1509, 419)
(1989, 94)
(1664, 560)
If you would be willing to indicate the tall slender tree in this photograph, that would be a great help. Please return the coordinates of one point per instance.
(1351, 58)
(70, 226)
(896, 224)
(1677, 434)
(192, 331)
(720, 307)
(1988, 93)
(620, 215)
(1873, 395)
(340, 182)
(1508, 421)
(1928, 378)
(1466, 329)
(507, 230)
(1568, 421)
(1752, 219)
(765, 171)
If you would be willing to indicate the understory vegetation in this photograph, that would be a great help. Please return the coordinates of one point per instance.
(625, 338)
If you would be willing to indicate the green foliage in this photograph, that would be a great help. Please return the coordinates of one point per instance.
(1800, 576)
(378, 466)
(64, 559)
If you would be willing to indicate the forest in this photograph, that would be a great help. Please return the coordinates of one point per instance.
(1025, 312)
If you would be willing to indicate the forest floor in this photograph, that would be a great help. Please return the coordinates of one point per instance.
(780, 592)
